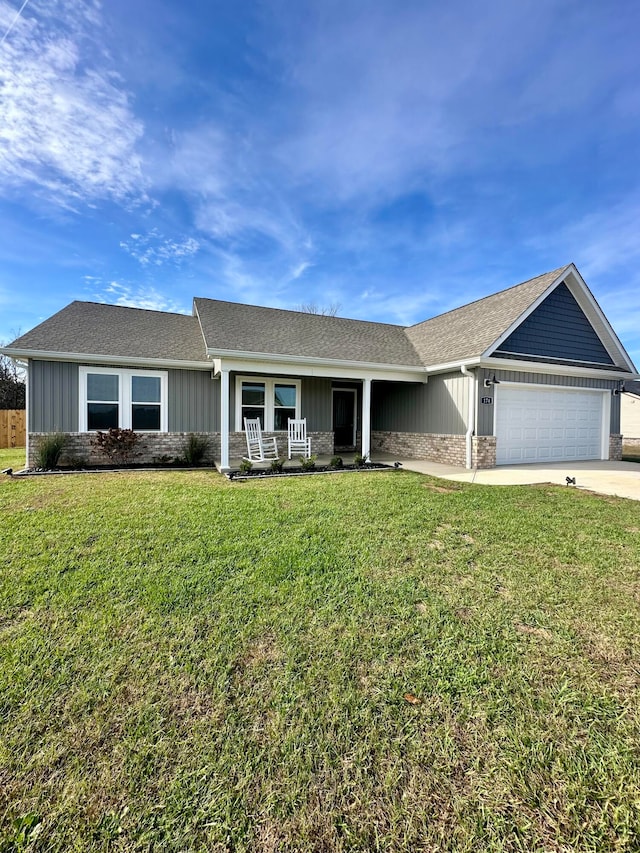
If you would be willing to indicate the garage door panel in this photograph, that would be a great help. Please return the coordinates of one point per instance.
(537, 425)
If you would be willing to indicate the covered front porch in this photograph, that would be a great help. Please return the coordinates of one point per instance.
(335, 401)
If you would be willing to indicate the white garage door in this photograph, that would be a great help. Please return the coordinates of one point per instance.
(547, 425)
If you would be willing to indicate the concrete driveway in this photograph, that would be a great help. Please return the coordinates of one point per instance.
(608, 478)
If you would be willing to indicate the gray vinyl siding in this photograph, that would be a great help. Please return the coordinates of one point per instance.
(439, 406)
(194, 401)
(558, 328)
(53, 396)
(315, 403)
(485, 411)
(615, 427)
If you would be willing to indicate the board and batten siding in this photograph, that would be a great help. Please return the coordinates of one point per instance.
(194, 398)
(53, 396)
(485, 411)
(439, 406)
(315, 403)
(558, 328)
(194, 401)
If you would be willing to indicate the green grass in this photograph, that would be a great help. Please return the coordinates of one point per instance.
(14, 457)
(189, 664)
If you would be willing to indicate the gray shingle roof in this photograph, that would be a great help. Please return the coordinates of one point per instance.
(97, 329)
(467, 331)
(248, 328)
(110, 330)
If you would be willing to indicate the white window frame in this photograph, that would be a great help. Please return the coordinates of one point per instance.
(125, 400)
(269, 399)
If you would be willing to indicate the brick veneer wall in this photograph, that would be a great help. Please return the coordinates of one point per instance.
(416, 445)
(152, 446)
(321, 443)
(615, 447)
(483, 451)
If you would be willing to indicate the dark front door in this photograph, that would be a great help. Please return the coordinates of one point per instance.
(344, 406)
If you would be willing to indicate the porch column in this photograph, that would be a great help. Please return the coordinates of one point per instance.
(366, 418)
(224, 419)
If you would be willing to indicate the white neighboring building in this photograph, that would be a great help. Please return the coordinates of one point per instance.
(630, 413)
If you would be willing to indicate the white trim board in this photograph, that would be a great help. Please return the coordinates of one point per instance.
(120, 360)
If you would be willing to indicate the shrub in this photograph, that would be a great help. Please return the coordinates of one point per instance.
(246, 465)
(118, 445)
(359, 460)
(164, 459)
(277, 466)
(308, 463)
(195, 448)
(76, 463)
(336, 462)
(49, 450)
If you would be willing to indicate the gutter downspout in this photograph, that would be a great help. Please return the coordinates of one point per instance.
(471, 420)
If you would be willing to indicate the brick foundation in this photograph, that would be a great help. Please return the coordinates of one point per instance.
(615, 447)
(450, 449)
(152, 447)
(159, 447)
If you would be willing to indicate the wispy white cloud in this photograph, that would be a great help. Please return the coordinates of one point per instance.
(67, 126)
(132, 295)
(384, 96)
(603, 243)
(153, 249)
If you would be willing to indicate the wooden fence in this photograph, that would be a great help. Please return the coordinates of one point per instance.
(13, 432)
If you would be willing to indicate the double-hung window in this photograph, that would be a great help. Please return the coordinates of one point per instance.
(272, 401)
(129, 399)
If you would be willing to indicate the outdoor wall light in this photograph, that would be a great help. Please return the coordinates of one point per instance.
(491, 380)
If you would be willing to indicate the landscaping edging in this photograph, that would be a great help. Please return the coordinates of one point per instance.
(105, 469)
(230, 475)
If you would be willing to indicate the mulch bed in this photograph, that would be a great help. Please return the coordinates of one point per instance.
(256, 473)
(263, 473)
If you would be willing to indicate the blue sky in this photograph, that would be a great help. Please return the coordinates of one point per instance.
(399, 159)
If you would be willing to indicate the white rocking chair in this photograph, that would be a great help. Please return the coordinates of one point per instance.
(297, 437)
(259, 449)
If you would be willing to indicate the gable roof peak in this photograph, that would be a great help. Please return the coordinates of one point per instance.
(548, 277)
(467, 331)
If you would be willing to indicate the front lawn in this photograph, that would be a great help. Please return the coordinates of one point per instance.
(359, 662)
(12, 457)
